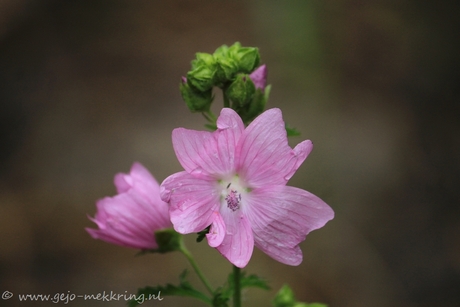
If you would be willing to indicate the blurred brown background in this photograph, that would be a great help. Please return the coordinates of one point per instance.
(88, 87)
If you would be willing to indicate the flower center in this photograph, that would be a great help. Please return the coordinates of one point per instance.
(232, 193)
(233, 200)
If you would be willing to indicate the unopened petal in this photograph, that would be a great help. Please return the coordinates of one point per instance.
(131, 217)
(120, 222)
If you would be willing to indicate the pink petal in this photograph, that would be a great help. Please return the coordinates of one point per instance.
(301, 152)
(238, 243)
(209, 155)
(140, 180)
(217, 232)
(259, 77)
(263, 153)
(281, 217)
(230, 127)
(192, 201)
(121, 222)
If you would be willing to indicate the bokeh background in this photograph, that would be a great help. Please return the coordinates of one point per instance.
(87, 87)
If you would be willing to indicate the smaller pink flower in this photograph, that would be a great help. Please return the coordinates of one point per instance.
(259, 77)
(131, 217)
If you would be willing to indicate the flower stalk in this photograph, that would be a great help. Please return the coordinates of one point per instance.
(195, 267)
(236, 286)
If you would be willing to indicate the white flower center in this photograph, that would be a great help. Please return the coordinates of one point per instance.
(232, 193)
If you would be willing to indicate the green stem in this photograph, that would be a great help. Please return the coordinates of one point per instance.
(226, 100)
(237, 286)
(190, 258)
(210, 117)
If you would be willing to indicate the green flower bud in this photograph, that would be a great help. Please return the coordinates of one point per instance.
(241, 91)
(202, 58)
(247, 58)
(197, 101)
(226, 66)
(257, 105)
(203, 73)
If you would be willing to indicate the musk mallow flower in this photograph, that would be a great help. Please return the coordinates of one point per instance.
(131, 217)
(234, 180)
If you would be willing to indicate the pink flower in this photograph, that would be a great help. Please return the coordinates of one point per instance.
(131, 217)
(259, 77)
(235, 180)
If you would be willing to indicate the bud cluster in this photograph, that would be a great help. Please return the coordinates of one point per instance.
(235, 71)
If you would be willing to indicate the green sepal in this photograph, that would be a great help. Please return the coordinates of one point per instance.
(196, 100)
(183, 289)
(168, 240)
(241, 91)
(285, 298)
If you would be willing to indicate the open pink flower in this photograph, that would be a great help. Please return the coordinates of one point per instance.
(235, 180)
(131, 217)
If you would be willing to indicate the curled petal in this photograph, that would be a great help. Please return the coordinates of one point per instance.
(217, 232)
(281, 217)
(192, 201)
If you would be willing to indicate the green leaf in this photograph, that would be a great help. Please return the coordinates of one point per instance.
(202, 234)
(292, 131)
(220, 300)
(253, 281)
(285, 298)
(183, 289)
(223, 294)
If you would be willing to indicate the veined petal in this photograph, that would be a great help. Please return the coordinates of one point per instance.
(238, 243)
(192, 201)
(263, 153)
(230, 127)
(217, 231)
(281, 217)
(209, 155)
(196, 152)
(121, 222)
